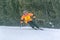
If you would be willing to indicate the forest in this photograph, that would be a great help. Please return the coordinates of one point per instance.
(45, 10)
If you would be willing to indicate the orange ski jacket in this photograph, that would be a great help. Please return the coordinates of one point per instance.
(27, 17)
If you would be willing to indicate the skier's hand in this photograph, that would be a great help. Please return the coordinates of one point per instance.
(34, 16)
(21, 22)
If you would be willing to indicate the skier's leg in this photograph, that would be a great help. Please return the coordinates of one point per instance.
(35, 25)
(31, 24)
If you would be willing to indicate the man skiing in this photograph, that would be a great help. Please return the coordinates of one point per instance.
(28, 17)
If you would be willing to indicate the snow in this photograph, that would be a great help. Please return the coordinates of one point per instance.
(27, 33)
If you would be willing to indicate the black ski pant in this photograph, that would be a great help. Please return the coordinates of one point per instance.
(33, 24)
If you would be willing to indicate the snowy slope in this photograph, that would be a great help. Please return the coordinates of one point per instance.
(25, 33)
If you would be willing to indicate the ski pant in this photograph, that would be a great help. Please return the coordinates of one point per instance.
(33, 24)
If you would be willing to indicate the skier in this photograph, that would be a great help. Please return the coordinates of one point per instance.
(28, 17)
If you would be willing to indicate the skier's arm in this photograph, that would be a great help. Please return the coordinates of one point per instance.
(32, 15)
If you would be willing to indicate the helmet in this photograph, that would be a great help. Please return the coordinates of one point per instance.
(25, 11)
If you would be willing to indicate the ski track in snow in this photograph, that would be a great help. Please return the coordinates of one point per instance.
(27, 33)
